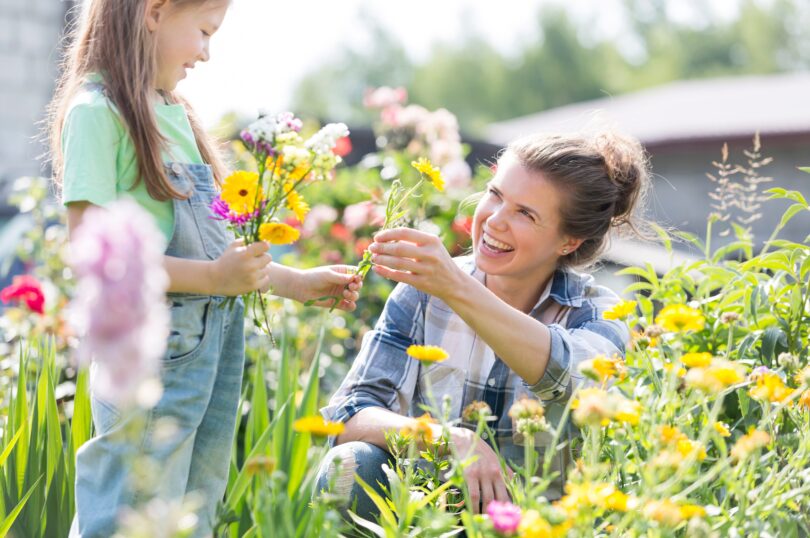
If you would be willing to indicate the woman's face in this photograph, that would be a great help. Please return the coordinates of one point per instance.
(516, 230)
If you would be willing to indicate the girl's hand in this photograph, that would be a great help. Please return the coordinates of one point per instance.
(241, 269)
(327, 283)
(416, 258)
(484, 477)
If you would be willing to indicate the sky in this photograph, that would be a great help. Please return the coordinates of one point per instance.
(264, 47)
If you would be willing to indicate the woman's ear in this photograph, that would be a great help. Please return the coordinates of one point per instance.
(155, 11)
(569, 245)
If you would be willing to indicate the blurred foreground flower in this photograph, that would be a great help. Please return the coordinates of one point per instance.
(427, 353)
(119, 308)
(25, 289)
(505, 516)
(316, 425)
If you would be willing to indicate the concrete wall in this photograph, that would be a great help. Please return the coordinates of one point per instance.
(30, 31)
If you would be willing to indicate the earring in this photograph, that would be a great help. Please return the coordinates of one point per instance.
(565, 251)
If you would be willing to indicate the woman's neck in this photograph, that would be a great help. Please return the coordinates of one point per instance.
(517, 292)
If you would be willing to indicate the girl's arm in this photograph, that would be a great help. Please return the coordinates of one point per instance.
(521, 341)
(311, 284)
(237, 271)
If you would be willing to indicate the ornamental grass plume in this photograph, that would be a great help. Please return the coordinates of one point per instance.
(119, 308)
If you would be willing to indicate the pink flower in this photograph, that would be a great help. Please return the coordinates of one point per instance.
(25, 289)
(119, 308)
(363, 214)
(505, 516)
(222, 211)
(384, 96)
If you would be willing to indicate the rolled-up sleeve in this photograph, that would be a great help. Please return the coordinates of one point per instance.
(382, 374)
(586, 335)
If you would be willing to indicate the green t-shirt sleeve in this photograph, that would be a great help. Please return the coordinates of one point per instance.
(90, 142)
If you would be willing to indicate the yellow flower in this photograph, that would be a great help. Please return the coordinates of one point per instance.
(629, 412)
(602, 368)
(748, 443)
(533, 525)
(671, 435)
(600, 495)
(278, 233)
(680, 371)
(680, 318)
(316, 425)
(695, 360)
(620, 310)
(670, 513)
(274, 164)
(426, 167)
(802, 377)
(719, 375)
(804, 399)
(526, 408)
(427, 353)
(420, 429)
(722, 429)
(295, 202)
(687, 448)
(594, 406)
(242, 192)
(770, 387)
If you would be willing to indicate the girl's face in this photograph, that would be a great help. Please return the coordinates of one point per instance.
(516, 226)
(182, 35)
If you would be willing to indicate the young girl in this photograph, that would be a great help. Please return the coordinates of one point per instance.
(515, 318)
(118, 129)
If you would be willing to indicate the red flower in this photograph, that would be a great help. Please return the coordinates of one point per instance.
(361, 245)
(25, 288)
(340, 232)
(343, 146)
(463, 226)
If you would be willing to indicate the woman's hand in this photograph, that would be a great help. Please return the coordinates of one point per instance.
(240, 269)
(330, 281)
(484, 477)
(416, 258)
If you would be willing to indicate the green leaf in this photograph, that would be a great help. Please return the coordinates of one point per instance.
(773, 339)
(780, 193)
(10, 447)
(790, 213)
(6, 524)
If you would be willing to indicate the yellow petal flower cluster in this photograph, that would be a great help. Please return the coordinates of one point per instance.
(316, 425)
(696, 360)
(427, 353)
(602, 368)
(534, 525)
(242, 192)
(719, 375)
(680, 318)
(749, 443)
(770, 388)
(419, 429)
(670, 513)
(278, 233)
(620, 310)
(597, 407)
(599, 495)
(426, 167)
(722, 429)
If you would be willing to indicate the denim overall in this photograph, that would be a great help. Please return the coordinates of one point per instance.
(188, 434)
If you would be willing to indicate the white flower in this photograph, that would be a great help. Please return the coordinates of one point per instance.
(324, 140)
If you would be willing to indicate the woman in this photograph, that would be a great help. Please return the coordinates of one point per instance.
(514, 317)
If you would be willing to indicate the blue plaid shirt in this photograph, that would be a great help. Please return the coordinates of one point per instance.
(383, 375)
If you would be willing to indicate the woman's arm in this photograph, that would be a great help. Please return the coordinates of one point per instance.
(522, 342)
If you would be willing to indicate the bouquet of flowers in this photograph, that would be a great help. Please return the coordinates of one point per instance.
(253, 203)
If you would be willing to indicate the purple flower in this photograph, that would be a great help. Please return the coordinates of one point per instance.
(119, 308)
(505, 516)
(222, 211)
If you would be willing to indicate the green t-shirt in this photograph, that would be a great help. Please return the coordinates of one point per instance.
(99, 157)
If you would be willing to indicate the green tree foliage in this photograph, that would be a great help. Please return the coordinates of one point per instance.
(564, 63)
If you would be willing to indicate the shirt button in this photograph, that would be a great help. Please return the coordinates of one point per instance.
(484, 436)
(491, 382)
(177, 168)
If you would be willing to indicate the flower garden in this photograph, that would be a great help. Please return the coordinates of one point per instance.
(702, 429)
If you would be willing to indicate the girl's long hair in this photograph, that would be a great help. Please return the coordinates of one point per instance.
(112, 39)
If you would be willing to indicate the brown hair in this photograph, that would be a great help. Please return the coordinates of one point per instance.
(113, 41)
(602, 178)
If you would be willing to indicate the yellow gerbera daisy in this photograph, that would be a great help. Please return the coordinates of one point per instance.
(278, 233)
(680, 318)
(770, 387)
(296, 202)
(427, 353)
(242, 192)
(426, 167)
(620, 310)
(694, 360)
(316, 425)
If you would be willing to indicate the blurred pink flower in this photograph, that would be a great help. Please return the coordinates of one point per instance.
(363, 214)
(384, 96)
(457, 175)
(318, 215)
(505, 516)
(119, 308)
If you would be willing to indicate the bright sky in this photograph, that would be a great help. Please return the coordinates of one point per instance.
(264, 47)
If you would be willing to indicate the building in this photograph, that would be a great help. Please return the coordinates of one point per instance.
(683, 126)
